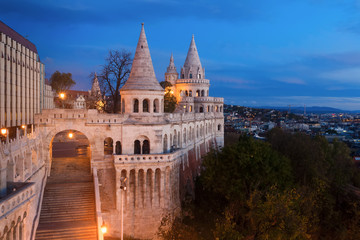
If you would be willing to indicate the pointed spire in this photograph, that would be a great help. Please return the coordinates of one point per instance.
(95, 88)
(171, 68)
(192, 66)
(142, 75)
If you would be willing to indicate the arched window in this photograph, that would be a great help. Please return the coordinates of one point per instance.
(165, 144)
(219, 127)
(198, 93)
(201, 109)
(146, 147)
(118, 149)
(190, 93)
(146, 105)
(136, 106)
(220, 108)
(137, 148)
(202, 93)
(190, 109)
(190, 75)
(123, 105)
(156, 105)
(208, 108)
(217, 108)
(199, 76)
(186, 93)
(108, 146)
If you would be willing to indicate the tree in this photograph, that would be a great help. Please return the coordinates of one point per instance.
(113, 76)
(169, 98)
(61, 82)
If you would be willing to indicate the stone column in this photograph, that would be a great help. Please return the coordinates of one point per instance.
(153, 192)
(163, 195)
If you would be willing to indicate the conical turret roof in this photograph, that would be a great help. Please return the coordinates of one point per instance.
(192, 58)
(142, 75)
(171, 68)
(95, 88)
(192, 67)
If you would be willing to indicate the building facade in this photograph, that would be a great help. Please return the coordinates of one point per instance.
(23, 92)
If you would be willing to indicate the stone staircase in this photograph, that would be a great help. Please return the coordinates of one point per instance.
(68, 207)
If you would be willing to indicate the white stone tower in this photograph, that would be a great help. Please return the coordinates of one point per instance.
(171, 74)
(142, 93)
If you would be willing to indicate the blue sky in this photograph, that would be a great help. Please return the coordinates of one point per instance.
(255, 53)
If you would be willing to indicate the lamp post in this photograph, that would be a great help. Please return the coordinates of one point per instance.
(4, 133)
(123, 189)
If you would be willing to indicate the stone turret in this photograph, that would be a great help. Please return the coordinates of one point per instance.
(192, 68)
(171, 74)
(95, 88)
(142, 93)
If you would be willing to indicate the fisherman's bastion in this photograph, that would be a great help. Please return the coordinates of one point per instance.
(142, 177)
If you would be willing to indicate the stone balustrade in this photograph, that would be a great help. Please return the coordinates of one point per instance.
(18, 195)
(202, 81)
(147, 158)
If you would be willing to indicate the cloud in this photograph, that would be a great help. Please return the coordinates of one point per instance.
(291, 80)
(349, 75)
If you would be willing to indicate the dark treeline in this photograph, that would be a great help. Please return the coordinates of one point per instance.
(291, 187)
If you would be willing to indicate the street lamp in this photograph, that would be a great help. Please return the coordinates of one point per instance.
(71, 135)
(62, 95)
(4, 133)
(123, 188)
(103, 228)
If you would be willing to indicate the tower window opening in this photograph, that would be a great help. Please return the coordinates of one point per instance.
(199, 75)
(190, 75)
(136, 106)
(145, 105)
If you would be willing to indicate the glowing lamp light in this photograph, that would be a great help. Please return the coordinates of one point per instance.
(23, 126)
(62, 95)
(3, 131)
(71, 135)
(103, 228)
(184, 106)
(172, 92)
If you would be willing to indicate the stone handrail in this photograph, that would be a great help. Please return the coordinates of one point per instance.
(99, 219)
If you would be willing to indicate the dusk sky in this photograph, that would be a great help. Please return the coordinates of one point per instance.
(255, 53)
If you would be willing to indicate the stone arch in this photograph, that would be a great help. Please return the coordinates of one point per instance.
(197, 93)
(108, 146)
(190, 93)
(203, 93)
(186, 93)
(142, 145)
(146, 147)
(137, 147)
(201, 109)
(146, 105)
(48, 142)
(118, 148)
(156, 105)
(136, 105)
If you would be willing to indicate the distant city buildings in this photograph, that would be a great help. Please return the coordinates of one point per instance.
(23, 90)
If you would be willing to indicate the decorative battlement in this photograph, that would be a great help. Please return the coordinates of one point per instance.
(209, 99)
